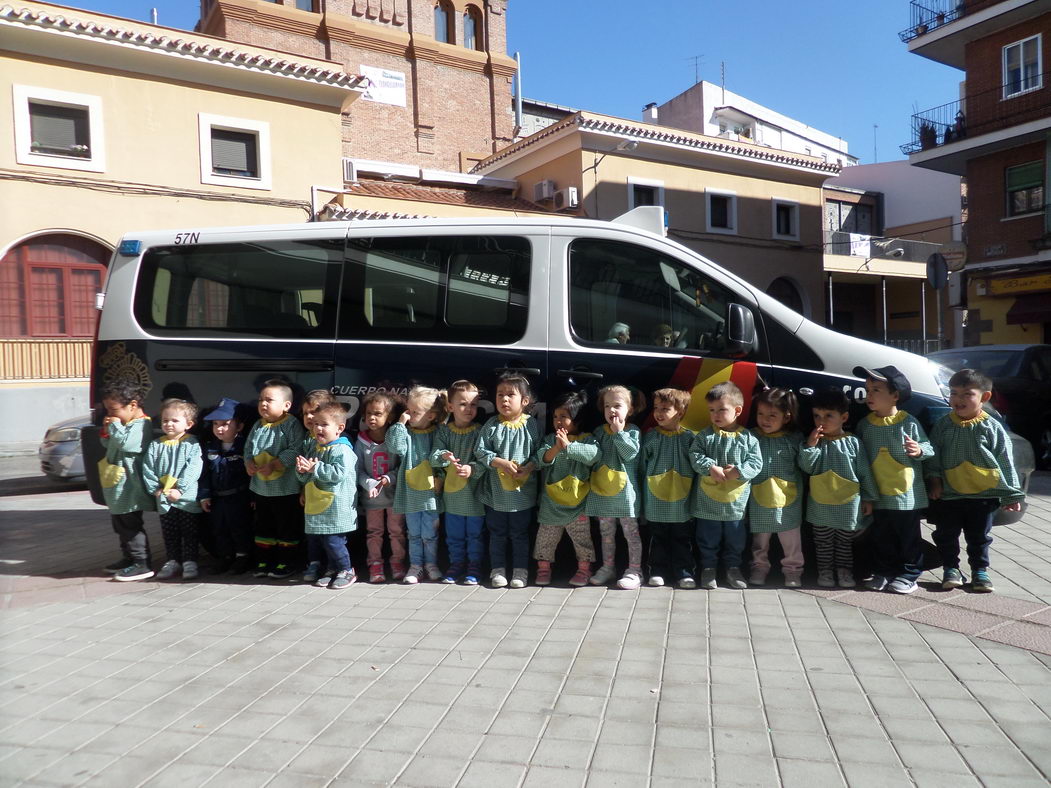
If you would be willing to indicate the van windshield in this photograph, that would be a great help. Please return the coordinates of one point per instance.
(272, 288)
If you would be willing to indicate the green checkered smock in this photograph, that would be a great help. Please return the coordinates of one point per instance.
(459, 496)
(509, 440)
(973, 459)
(614, 476)
(566, 480)
(776, 502)
(898, 477)
(723, 500)
(120, 471)
(282, 439)
(330, 491)
(174, 464)
(414, 491)
(839, 479)
(668, 475)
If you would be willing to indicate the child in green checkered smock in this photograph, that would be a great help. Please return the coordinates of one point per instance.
(614, 492)
(566, 458)
(841, 488)
(776, 503)
(668, 477)
(970, 477)
(507, 447)
(271, 450)
(417, 494)
(454, 446)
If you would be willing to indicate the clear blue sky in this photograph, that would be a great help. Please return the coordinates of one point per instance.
(837, 65)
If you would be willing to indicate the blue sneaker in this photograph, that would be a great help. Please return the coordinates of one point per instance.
(952, 578)
(981, 583)
(470, 580)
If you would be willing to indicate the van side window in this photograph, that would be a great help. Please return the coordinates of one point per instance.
(664, 304)
(462, 289)
(271, 288)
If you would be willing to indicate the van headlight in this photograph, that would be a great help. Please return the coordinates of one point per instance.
(941, 376)
(63, 435)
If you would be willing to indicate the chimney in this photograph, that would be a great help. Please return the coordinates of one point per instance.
(649, 113)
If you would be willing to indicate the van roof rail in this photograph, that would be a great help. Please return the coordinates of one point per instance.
(646, 217)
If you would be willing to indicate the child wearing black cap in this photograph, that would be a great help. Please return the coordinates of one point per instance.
(223, 489)
(896, 447)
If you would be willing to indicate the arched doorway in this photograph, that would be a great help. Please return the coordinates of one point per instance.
(787, 292)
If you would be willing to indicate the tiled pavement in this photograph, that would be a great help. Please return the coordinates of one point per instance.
(240, 684)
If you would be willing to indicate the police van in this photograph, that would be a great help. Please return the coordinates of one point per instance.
(358, 306)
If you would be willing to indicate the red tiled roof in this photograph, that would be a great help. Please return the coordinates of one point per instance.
(442, 194)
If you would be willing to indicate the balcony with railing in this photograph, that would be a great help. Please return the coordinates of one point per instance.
(873, 248)
(1024, 99)
(927, 16)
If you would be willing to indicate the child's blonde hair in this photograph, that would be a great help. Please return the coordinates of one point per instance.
(677, 398)
(187, 409)
(636, 399)
(434, 399)
(460, 385)
(727, 391)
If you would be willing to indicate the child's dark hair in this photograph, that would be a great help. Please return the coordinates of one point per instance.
(728, 391)
(572, 402)
(316, 398)
(782, 399)
(390, 402)
(519, 382)
(187, 409)
(124, 391)
(283, 385)
(830, 399)
(970, 379)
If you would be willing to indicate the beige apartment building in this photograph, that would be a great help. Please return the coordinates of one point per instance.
(111, 125)
(753, 209)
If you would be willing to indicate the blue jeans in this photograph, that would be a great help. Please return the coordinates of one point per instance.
(332, 547)
(423, 537)
(507, 527)
(463, 536)
(721, 542)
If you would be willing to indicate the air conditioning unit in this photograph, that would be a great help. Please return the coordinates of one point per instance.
(543, 190)
(566, 198)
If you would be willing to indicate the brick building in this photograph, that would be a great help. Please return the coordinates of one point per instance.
(998, 134)
(441, 78)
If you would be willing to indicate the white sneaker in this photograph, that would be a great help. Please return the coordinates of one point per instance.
(708, 581)
(630, 581)
(603, 576)
(793, 581)
(190, 571)
(497, 578)
(735, 578)
(519, 578)
(826, 578)
(412, 577)
(656, 581)
(687, 583)
(169, 570)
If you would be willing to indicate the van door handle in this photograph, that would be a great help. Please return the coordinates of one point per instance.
(520, 370)
(583, 374)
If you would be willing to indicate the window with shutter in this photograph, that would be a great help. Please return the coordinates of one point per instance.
(234, 153)
(57, 128)
(59, 131)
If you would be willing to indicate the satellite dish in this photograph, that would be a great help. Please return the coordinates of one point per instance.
(937, 271)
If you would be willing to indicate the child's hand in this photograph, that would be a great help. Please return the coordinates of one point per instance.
(731, 472)
(912, 448)
(109, 420)
(158, 493)
(309, 465)
(464, 471)
(866, 508)
(934, 488)
(302, 499)
(250, 467)
(814, 437)
(404, 418)
(276, 465)
(616, 422)
(450, 458)
(524, 471)
(206, 504)
(717, 473)
(1013, 507)
(504, 466)
(374, 492)
(561, 440)
(384, 481)
(301, 463)
(174, 495)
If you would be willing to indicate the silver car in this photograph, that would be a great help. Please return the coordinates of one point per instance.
(60, 455)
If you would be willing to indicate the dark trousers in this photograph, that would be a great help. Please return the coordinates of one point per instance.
(134, 543)
(278, 526)
(971, 517)
(179, 529)
(231, 522)
(504, 528)
(721, 542)
(331, 548)
(671, 550)
(896, 543)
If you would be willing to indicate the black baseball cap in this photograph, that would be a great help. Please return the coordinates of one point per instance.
(892, 376)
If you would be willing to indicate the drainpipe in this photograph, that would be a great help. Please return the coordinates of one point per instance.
(883, 284)
(923, 314)
(831, 319)
(518, 95)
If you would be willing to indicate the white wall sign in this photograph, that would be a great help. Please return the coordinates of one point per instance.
(385, 86)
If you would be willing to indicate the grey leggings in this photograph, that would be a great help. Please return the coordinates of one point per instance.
(629, 526)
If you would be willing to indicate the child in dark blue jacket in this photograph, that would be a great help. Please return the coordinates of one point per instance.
(223, 489)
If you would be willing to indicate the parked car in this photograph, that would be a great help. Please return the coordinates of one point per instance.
(1021, 376)
(61, 458)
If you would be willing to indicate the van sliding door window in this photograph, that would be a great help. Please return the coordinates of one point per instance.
(664, 305)
(272, 289)
(452, 289)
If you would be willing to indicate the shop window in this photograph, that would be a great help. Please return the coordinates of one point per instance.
(443, 18)
(1022, 71)
(48, 286)
(234, 152)
(472, 28)
(1025, 189)
(55, 128)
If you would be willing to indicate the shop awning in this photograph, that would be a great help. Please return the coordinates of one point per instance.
(1030, 308)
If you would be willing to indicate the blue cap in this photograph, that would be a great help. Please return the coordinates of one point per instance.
(227, 409)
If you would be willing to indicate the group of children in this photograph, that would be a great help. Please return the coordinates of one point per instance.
(493, 481)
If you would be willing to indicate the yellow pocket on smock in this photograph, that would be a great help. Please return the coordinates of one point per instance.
(109, 474)
(969, 479)
(421, 477)
(892, 478)
(774, 493)
(263, 458)
(568, 491)
(608, 482)
(454, 483)
(723, 492)
(670, 486)
(509, 482)
(168, 482)
(832, 489)
(317, 500)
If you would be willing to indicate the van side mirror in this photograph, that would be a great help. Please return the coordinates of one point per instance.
(740, 333)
